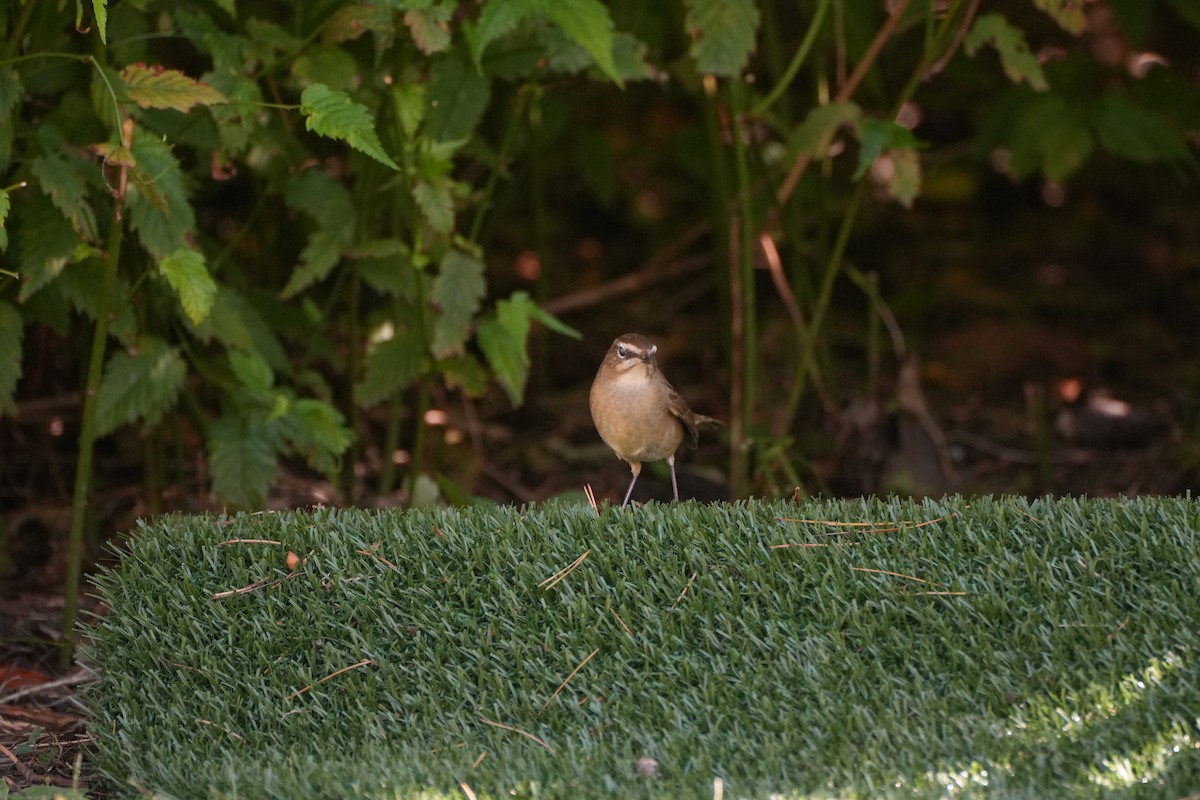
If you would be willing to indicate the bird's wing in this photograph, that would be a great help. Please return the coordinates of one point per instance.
(680, 409)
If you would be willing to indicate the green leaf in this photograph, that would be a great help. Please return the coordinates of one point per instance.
(503, 338)
(325, 200)
(454, 101)
(318, 432)
(408, 102)
(48, 243)
(553, 323)
(589, 25)
(159, 209)
(317, 260)
(100, 10)
(877, 135)
(1050, 135)
(333, 114)
(187, 274)
(815, 133)
(329, 65)
(236, 323)
(235, 120)
(464, 372)
(1067, 13)
(497, 19)
(252, 370)
(351, 21)
(65, 183)
(1136, 132)
(156, 87)
(391, 366)
(1019, 63)
(429, 28)
(436, 201)
(723, 34)
(457, 293)
(12, 331)
(904, 180)
(142, 384)
(241, 459)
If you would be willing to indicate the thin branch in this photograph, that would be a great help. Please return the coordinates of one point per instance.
(526, 734)
(574, 672)
(362, 663)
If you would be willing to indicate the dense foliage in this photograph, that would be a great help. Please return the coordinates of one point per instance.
(998, 648)
(277, 216)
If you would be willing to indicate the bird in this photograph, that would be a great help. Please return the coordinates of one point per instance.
(637, 411)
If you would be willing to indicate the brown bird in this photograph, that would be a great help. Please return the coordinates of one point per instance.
(637, 411)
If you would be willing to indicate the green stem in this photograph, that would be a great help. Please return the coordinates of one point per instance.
(87, 440)
(797, 61)
(506, 146)
(832, 268)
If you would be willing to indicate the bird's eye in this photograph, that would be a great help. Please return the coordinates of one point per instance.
(622, 351)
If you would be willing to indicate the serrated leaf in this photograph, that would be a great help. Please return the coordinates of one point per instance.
(159, 208)
(1018, 62)
(241, 460)
(877, 135)
(816, 132)
(12, 332)
(1135, 132)
(429, 27)
(351, 21)
(333, 114)
(239, 325)
(47, 245)
(319, 257)
(454, 100)
(65, 184)
(235, 119)
(457, 293)
(588, 24)
(187, 274)
(156, 87)
(252, 370)
(318, 433)
(723, 34)
(496, 20)
(142, 384)
(225, 49)
(503, 338)
(435, 199)
(391, 366)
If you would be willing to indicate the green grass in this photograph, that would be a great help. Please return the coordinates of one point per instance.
(1061, 659)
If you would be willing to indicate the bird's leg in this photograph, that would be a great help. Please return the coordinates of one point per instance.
(636, 468)
(674, 483)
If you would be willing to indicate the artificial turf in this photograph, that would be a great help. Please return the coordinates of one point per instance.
(873, 648)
